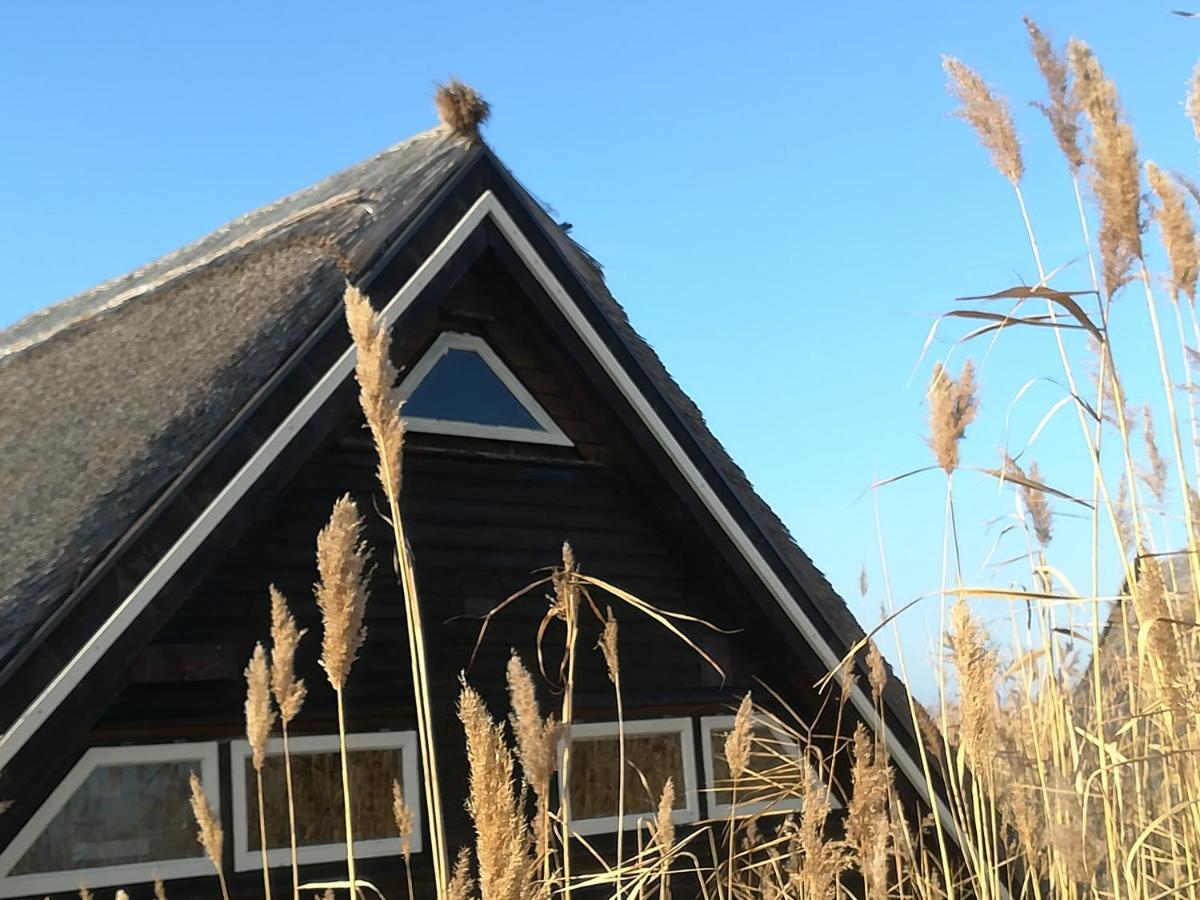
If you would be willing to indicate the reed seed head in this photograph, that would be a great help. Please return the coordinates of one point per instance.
(461, 885)
(377, 394)
(160, 890)
(664, 824)
(537, 738)
(84, 893)
(608, 646)
(1037, 507)
(1155, 621)
(975, 664)
(1178, 232)
(342, 590)
(737, 742)
(952, 407)
(1063, 109)
(120, 895)
(404, 820)
(876, 671)
(461, 109)
(502, 845)
(988, 115)
(289, 690)
(868, 823)
(1116, 179)
(209, 832)
(260, 717)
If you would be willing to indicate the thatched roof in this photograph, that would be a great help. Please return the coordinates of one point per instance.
(107, 396)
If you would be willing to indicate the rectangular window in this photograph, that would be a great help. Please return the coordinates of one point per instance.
(121, 816)
(775, 767)
(658, 749)
(374, 760)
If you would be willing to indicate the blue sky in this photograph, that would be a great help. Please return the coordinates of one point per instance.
(779, 196)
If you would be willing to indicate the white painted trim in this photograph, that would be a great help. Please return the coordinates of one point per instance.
(787, 745)
(127, 874)
(549, 433)
(246, 859)
(486, 206)
(689, 788)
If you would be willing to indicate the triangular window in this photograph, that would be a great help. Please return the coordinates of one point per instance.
(461, 387)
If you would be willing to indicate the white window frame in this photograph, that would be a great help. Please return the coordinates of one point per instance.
(690, 789)
(124, 874)
(709, 724)
(246, 859)
(456, 340)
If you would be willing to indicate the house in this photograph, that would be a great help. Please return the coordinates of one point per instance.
(172, 441)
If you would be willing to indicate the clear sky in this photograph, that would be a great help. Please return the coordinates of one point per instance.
(777, 191)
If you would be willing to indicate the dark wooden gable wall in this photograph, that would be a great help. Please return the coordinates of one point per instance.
(483, 517)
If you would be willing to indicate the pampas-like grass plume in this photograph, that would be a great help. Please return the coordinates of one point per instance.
(1116, 178)
(1157, 638)
(160, 890)
(209, 832)
(737, 742)
(376, 376)
(289, 690)
(461, 109)
(342, 590)
(876, 670)
(537, 738)
(1178, 232)
(988, 115)
(1037, 506)
(403, 818)
(502, 843)
(976, 667)
(1063, 109)
(260, 717)
(84, 893)
(868, 823)
(952, 407)
(664, 823)
(461, 885)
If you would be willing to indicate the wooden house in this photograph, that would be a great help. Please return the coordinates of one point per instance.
(172, 441)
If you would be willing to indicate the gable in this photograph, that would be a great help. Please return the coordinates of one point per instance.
(780, 582)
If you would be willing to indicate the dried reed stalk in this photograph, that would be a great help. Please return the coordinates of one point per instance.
(209, 832)
(380, 402)
(289, 693)
(341, 596)
(260, 717)
(612, 662)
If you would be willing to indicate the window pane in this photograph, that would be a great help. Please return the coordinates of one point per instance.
(773, 768)
(317, 784)
(120, 814)
(461, 387)
(595, 764)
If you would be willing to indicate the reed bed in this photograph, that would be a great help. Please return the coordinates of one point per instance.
(1065, 774)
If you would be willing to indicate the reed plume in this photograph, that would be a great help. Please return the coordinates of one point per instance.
(1063, 109)
(737, 757)
(952, 407)
(260, 717)
(988, 115)
(877, 676)
(664, 836)
(461, 886)
(289, 692)
(1034, 500)
(376, 376)
(403, 818)
(868, 822)
(341, 596)
(209, 832)
(1115, 179)
(507, 871)
(1156, 472)
(84, 893)
(160, 890)
(1157, 631)
(537, 749)
(380, 401)
(976, 667)
(1178, 232)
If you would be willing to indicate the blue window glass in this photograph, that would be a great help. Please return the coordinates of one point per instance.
(461, 387)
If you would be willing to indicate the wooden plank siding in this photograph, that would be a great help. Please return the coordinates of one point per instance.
(484, 518)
